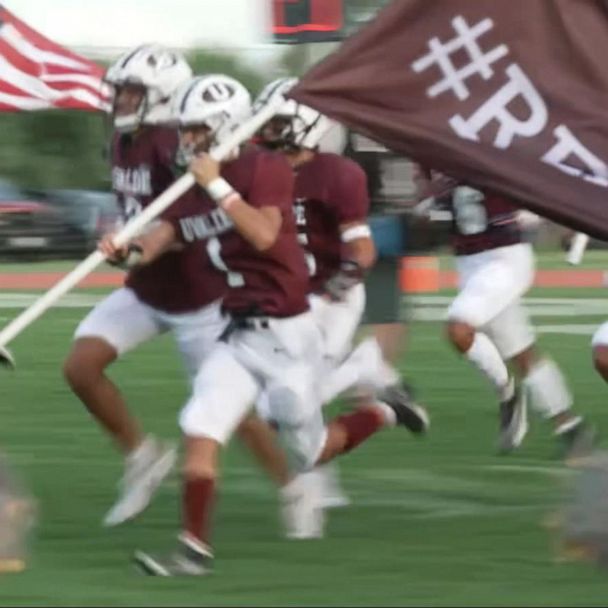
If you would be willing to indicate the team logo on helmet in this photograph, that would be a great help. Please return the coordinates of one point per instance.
(218, 102)
(217, 92)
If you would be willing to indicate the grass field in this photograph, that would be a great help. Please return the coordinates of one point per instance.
(437, 522)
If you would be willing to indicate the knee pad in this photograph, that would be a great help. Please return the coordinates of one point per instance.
(287, 406)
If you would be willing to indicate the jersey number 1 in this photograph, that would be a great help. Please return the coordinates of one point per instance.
(214, 248)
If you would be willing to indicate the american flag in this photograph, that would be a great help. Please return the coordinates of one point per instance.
(38, 74)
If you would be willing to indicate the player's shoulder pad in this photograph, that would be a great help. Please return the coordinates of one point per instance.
(341, 166)
(342, 173)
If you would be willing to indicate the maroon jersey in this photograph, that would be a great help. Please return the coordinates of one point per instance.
(330, 191)
(272, 282)
(141, 170)
(482, 221)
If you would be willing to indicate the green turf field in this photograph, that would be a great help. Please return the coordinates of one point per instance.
(442, 521)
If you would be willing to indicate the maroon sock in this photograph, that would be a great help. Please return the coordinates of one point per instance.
(197, 503)
(359, 426)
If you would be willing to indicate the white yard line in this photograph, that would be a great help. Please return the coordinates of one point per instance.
(425, 308)
(530, 469)
(72, 300)
(575, 330)
(434, 308)
(437, 300)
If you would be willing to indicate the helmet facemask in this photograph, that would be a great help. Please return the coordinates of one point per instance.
(127, 114)
(193, 140)
(277, 133)
(287, 133)
(295, 126)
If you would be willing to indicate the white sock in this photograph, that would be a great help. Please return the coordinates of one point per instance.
(299, 484)
(485, 356)
(364, 366)
(390, 418)
(548, 391)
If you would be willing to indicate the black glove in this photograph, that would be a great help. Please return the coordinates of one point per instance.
(348, 276)
(130, 260)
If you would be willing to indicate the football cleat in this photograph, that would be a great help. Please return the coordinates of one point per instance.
(577, 443)
(409, 414)
(144, 473)
(513, 416)
(190, 558)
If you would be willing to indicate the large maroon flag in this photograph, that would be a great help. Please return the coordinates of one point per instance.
(510, 96)
(37, 74)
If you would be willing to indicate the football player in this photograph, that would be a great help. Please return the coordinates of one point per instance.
(488, 324)
(331, 205)
(272, 343)
(172, 294)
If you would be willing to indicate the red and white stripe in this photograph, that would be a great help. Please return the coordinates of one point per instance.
(38, 74)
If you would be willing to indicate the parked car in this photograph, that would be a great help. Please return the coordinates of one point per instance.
(90, 211)
(51, 224)
(29, 227)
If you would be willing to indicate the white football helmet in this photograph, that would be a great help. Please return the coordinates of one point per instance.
(219, 102)
(305, 128)
(158, 69)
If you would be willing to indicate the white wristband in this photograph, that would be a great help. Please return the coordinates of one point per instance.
(218, 189)
(360, 231)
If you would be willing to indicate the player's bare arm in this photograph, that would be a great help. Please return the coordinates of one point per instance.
(359, 255)
(358, 244)
(260, 227)
(142, 250)
(156, 241)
